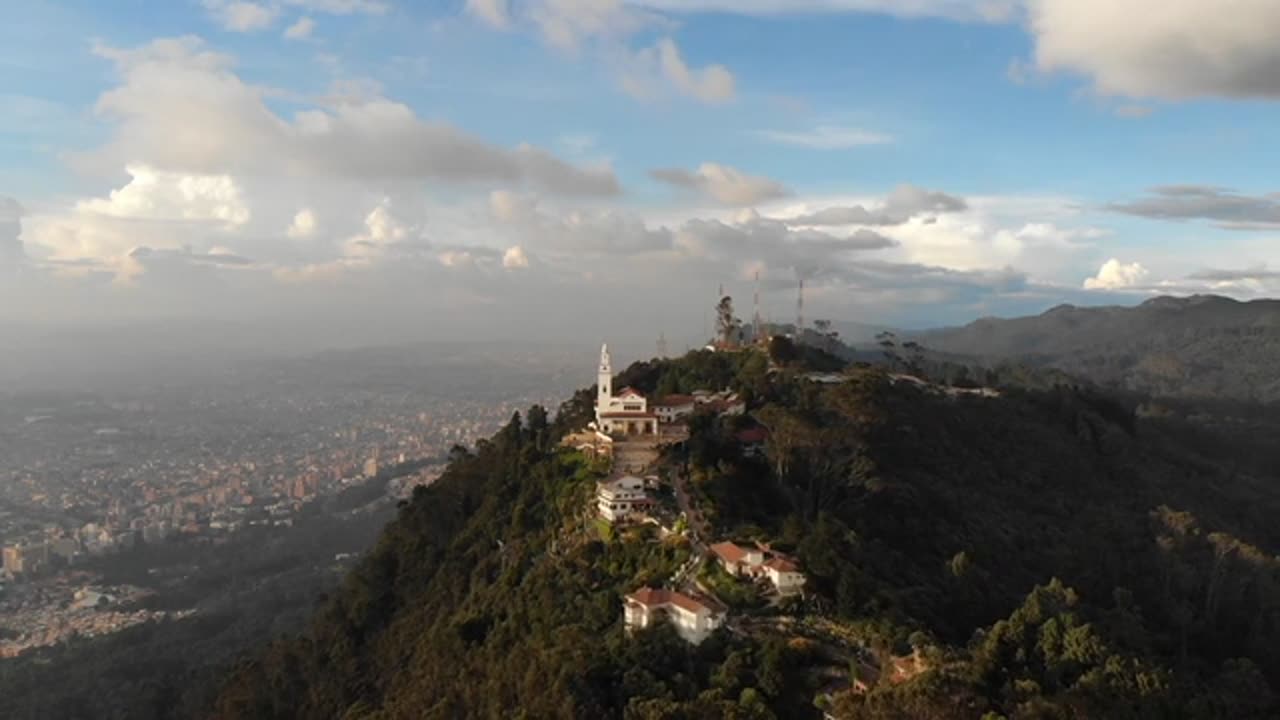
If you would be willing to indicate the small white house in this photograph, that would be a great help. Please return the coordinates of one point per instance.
(737, 560)
(785, 576)
(673, 407)
(693, 619)
(622, 498)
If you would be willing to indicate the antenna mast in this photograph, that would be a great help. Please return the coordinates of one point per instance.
(662, 345)
(800, 310)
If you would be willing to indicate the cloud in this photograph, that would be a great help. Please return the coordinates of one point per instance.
(826, 137)
(303, 225)
(577, 233)
(1258, 274)
(494, 13)
(240, 16)
(607, 28)
(340, 7)
(567, 24)
(758, 242)
(725, 184)
(249, 16)
(11, 246)
(382, 230)
(181, 108)
(301, 29)
(156, 209)
(515, 258)
(1226, 208)
(712, 84)
(1115, 275)
(905, 203)
(1181, 49)
(157, 195)
(965, 10)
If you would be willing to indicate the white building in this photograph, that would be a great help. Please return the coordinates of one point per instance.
(626, 413)
(693, 619)
(785, 576)
(673, 407)
(781, 572)
(737, 560)
(622, 498)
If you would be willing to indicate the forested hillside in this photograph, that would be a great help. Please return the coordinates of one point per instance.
(1040, 554)
(1201, 346)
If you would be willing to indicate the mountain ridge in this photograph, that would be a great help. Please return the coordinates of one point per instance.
(1042, 554)
(1196, 346)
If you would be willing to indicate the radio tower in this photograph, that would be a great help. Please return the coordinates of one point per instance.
(755, 316)
(662, 345)
(800, 310)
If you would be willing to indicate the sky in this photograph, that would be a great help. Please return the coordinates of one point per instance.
(338, 172)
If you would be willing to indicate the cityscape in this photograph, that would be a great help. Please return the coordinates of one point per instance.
(86, 476)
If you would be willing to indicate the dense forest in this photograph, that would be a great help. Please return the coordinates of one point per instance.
(1204, 346)
(1054, 552)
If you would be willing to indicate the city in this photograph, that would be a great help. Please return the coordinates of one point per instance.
(88, 476)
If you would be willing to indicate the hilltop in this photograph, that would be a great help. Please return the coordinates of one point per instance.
(1198, 346)
(1012, 553)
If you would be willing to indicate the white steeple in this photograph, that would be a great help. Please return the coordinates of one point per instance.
(604, 381)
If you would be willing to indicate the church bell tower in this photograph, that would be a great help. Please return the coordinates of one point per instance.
(604, 382)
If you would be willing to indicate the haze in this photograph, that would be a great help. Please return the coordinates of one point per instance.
(194, 178)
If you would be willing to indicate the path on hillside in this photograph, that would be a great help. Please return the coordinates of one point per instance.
(698, 531)
(699, 528)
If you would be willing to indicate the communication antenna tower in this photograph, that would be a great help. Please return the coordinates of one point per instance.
(800, 310)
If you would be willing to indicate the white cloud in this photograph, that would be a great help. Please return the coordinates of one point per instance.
(515, 258)
(11, 246)
(725, 184)
(1179, 49)
(712, 84)
(301, 29)
(494, 13)
(156, 195)
(566, 24)
(606, 27)
(241, 16)
(382, 230)
(905, 203)
(181, 108)
(973, 10)
(155, 209)
(827, 137)
(254, 15)
(1115, 275)
(303, 225)
(340, 7)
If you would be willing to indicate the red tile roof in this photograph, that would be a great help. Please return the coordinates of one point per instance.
(729, 552)
(753, 435)
(675, 401)
(653, 597)
(782, 565)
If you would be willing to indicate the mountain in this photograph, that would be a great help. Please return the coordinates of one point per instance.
(1004, 553)
(1199, 346)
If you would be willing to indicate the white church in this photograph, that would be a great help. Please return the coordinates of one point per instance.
(626, 413)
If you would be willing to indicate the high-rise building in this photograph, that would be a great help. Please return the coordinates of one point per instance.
(13, 560)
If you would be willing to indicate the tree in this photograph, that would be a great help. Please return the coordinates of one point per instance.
(727, 324)
(829, 338)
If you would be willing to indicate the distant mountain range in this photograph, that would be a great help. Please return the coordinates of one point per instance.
(1199, 346)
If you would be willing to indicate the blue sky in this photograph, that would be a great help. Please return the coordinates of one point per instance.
(266, 160)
